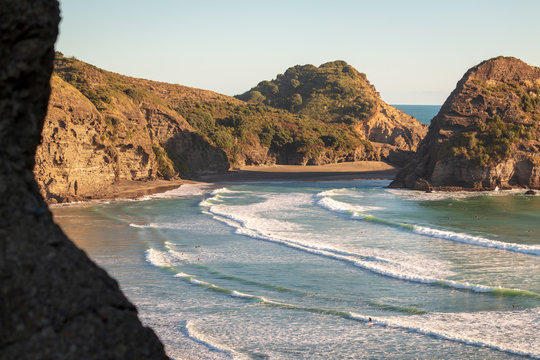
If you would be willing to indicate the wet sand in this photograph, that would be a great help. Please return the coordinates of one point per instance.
(342, 171)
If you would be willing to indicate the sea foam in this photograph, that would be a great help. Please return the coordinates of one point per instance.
(483, 329)
(324, 200)
(246, 222)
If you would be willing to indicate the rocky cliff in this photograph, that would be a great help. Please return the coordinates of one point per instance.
(487, 133)
(55, 302)
(103, 128)
(338, 94)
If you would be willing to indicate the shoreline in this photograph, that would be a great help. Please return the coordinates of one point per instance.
(347, 171)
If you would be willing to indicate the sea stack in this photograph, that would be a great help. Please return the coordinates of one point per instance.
(486, 135)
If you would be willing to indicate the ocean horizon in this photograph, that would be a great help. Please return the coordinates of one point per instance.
(423, 113)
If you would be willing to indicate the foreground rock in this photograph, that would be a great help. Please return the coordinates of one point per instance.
(486, 135)
(55, 302)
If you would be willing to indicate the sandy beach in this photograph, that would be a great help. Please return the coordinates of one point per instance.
(342, 171)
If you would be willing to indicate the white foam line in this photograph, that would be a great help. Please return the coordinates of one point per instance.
(366, 265)
(197, 336)
(340, 207)
(477, 241)
(157, 257)
(426, 331)
(356, 213)
(415, 195)
(184, 190)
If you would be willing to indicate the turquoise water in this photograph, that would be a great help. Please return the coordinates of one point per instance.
(296, 270)
(423, 113)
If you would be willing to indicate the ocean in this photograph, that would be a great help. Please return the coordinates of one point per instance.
(324, 270)
(423, 113)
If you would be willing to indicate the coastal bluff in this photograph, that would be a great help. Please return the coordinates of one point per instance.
(55, 302)
(486, 135)
(103, 128)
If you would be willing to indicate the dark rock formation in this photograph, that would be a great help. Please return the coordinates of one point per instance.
(486, 135)
(55, 303)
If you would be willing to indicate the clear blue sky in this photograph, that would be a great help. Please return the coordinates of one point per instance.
(413, 51)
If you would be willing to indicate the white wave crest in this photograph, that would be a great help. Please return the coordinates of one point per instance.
(359, 213)
(397, 268)
(184, 190)
(191, 331)
(477, 241)
(492, 329)
(415, 195)
(325, 201)
(159, 258)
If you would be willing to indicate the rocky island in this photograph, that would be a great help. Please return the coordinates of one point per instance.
(104, 128)
(486, 135)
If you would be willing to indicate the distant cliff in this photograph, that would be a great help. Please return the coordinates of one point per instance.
(103, 127)
(487, 133)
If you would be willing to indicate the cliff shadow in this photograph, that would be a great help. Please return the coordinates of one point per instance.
(193, 156)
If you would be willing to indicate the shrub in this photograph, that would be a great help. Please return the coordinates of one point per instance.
(164, 164)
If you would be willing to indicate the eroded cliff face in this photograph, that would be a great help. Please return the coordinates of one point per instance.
(395, 136)
(86, 151)
(77, 158)
(55, 302)
(486, 135)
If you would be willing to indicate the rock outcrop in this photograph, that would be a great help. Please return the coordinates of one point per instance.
(55, 302)
(486, 135)
(95, 139)
(337, 93)
(103, 128)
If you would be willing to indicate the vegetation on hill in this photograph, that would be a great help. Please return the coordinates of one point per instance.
(488, 142)
(248, 132)
(491, 142)
(334, 92)
(487, 134)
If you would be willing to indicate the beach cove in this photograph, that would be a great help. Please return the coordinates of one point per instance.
(339, 266)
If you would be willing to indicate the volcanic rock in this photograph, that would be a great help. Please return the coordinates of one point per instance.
(55, 302)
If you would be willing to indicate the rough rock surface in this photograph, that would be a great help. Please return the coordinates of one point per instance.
(55, 303)
(486, 135)
(86, 150)
(335, 92)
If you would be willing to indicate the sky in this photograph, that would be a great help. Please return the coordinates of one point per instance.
(413, 51)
